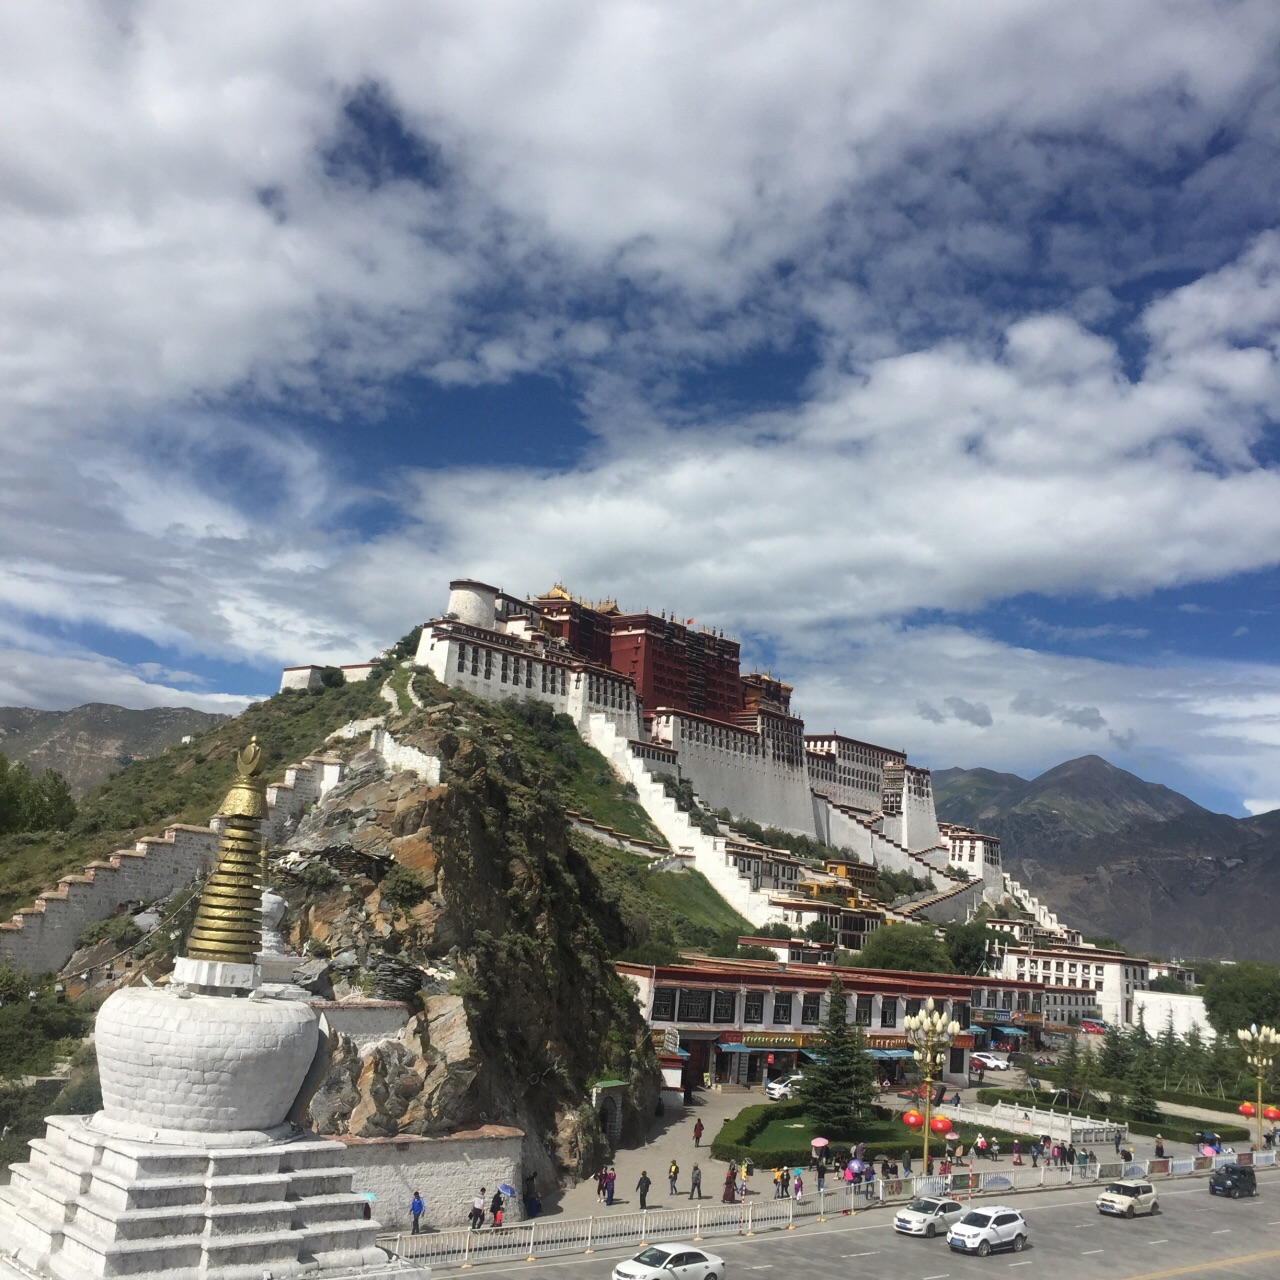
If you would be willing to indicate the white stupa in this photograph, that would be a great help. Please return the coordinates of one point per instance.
(194, 1168)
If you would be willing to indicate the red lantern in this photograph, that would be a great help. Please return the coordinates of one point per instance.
(912, 1119)
(1246, 1109)
(1270, 1113)
(940, 1125)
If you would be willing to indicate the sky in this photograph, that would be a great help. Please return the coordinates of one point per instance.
(929, 349)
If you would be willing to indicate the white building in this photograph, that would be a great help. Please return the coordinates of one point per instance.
(1113, 978)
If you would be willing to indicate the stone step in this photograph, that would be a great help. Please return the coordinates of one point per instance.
(264, 1217)
(320, 1183)
(331, 1237)
(109, 1224)
(314, 1210)
(249, 1188)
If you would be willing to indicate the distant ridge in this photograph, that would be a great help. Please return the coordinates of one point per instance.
(91, 742)
(1131, 859)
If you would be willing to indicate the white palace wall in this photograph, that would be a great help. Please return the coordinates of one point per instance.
(731, 768)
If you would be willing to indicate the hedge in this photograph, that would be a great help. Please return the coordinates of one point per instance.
(1205, 1101)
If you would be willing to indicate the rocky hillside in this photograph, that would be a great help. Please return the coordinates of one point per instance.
(90, 743)
(1118, 856)
(475, 901)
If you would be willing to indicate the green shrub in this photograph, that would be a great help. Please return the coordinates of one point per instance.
(402, 887)
(316, 877)
(118, 929)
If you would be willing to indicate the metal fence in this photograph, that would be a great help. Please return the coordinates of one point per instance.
(546, 1236)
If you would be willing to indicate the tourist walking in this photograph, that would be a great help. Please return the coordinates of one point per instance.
(697, 1132)
(1159, 1147)
(416, 1208)
(742, 1183)
(777, 1184)
(610, 1184)
(695, 1182)
(602, 1181)
(822, 1178)
(495, 1208)
(642, 1186)
(729, 1196)
(1017, 1151)
(476, 1216)
(906, 1164)
(1116, 1136)
(673, 1173)
(798, 1187)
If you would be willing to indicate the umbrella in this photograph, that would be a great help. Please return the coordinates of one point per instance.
(1207, 1151)
(857, 1165)
(507, 1189)
(370, 1197)
(953, 1137)
(819, 1142)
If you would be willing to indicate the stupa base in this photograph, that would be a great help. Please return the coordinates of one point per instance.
(91, 1205)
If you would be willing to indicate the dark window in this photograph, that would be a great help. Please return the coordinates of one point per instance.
(695, 1006)
(462, 657)
(960, 1012)
(889, 1011)
(664, 1004)
(782, 1009)
(726, 1003)
(488, 664)
(475, 660)
(955, 1065)
(862, 1014)
(753, 1007)
(811, 1009)
(504, 668)
(913, 1007)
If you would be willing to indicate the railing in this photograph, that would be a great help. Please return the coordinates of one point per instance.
(546, 1236)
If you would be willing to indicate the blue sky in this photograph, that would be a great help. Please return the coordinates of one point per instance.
(930, 350)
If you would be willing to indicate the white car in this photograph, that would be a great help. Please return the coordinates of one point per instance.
(671, 1262)
(1127, 1198)
(928, 1217)
(991, 1227)
(989, 1061)
(783, 1087)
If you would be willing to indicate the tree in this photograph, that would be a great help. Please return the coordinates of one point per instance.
(1141, 1080)
(819, 931)
(1069, 1064)
(914, 947)
(1166, 1050)
(28, 803)
(1116, 1054)
(1236, 995)
(1139, 1036)
(1167, 982)
(1192, 1061)
(967, 945)
(838, 1088)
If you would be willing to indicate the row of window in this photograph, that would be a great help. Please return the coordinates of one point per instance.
(693, 1004)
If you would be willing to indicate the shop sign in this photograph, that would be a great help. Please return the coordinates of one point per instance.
(756, 1040)
(670, 1040)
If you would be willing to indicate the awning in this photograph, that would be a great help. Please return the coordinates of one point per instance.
(1012, 1031)
(684, 1053)
(897, 1053)
(732, 1048)
(813, 1057)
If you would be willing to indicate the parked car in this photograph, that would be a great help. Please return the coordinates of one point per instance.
(992, 1227)
(928, 1217)
(1234, 1180)
(783, 1087)
(663, 1261)
(989, 1061)
(1127, 1198)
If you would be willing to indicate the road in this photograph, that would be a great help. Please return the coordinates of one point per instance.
(1195, 1235)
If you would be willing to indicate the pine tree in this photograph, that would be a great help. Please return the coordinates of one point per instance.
(1167, 1050)
(1141, 1080)
(1069, 1065)
(1115, 1053)
(838, 1087)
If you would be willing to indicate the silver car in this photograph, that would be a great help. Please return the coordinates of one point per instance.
(671, 1262)
(992, 1227)
(928, 1217)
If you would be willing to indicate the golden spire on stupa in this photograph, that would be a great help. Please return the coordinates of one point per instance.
(228, 924)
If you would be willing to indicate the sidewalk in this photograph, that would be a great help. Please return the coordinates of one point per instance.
(670, 1136)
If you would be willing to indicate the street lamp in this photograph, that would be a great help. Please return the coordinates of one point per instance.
(930, 1036)
(1261, 1046)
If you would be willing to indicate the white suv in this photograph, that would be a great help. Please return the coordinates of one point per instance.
(992, 1227)
(783, 1087)
(1124, 1199)
(989, 1061)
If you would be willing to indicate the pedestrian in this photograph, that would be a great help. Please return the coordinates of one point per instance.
(602, 1179)
(1159, 1147)
(1116, 1136)
(695, 1182)
(476, 1216)
(642, 1186)
(1035, 1155)
(742, 1183)
(673, 1173)
(610, 1184)
(728, 1197)
(906, 1164)
(777, 1183)
(848, 1173)
(697, 1132)
(955, 1098)
(1017, 1152)
(1071, 1153)
(416, 1208)
(870, 1180)
(495, 1208)
(994, 1148)
(980, 1146)
(786, 1183)
(798, 1187)
(822, 1178)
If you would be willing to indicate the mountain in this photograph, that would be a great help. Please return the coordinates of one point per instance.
(90, 743)
(1112, 854)
(1072, 801)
